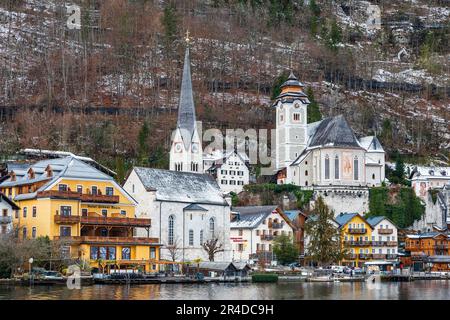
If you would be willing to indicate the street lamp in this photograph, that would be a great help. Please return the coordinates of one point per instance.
(30, 262)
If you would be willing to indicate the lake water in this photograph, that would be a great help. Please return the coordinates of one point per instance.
(417, 290)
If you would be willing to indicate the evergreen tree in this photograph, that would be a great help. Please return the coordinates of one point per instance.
(169, 20)
(276, 87)
(398, 176)
(142, 152)
(285, 249)
(324, 246)
(313, 108)
(315, 17)
(335, 36)
(120, 169)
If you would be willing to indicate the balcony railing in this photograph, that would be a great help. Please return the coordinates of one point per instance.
(5, 219)
(379, 256)
(391, 256)
(392, 243)
(132, 222)
(385, 231)
(277, 225)
(441, 246)
(264, 255)
(357, 243)
(350, 256)
(100, 198)
(267, 237)
(357, 230)
(108, 240)
(364, 256)
(66, 219)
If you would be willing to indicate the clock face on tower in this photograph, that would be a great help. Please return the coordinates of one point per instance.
(178, 147)
(195, 147)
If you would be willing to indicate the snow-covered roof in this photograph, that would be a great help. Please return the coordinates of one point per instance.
(250, 217)
(371, 144)
(68, 167)
(335, 132)
(430, 172)
(180, 186)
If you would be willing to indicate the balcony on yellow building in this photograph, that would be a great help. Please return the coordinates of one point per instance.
(357, 230)
(96, 198)
(357, 243)
(94, 219)
(364, 256)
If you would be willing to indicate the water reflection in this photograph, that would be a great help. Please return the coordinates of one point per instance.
(245, 291)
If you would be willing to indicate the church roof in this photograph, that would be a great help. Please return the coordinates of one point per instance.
(180, 186)
(292, 81)
(194, 207)
(371, 143)
(186, 108)
(334, 132)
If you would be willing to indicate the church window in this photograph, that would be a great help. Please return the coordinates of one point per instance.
(296, 117)
(336, 167)
(171, 230)
(306, 183)
(306, 173)
(356, 168)
(211, 227)
(191, 237)
(281, 118)
(373, 176)
(327, 167)
(201, 237)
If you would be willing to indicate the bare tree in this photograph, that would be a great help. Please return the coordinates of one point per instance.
(174, 250)
(212, 247)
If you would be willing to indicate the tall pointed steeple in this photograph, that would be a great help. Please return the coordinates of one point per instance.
(186, 108)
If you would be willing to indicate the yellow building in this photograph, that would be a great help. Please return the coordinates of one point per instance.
(356, 239)
(69, 200)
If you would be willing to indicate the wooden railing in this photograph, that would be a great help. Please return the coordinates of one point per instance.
(357, 230)
(101, 198)
(267, 237)
(109, 240)
(364, 256)
(99, 220)
(358, 243)
(276, 225)
(385, 231)
(379, 256)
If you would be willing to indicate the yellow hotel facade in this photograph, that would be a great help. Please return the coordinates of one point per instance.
(356, 239)
(69, 200)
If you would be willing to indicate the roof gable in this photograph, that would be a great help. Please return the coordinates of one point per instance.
(334, 131)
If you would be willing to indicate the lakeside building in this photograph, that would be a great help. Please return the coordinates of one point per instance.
(384, 238)
(356, 238)
(253, 229)
(325, 156)
(69, 200)
(186, 210)
(298, 219)
(8, 209)
(429, 248)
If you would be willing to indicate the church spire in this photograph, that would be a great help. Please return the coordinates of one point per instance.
(186, 108)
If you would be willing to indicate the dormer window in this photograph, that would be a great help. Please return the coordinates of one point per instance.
(49, 171)
(31, 174)
(444, 173)
(431, 172)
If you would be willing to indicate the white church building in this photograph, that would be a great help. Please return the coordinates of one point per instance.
(326, 155)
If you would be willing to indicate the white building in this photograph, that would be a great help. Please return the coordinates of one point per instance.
(426, 178)
(7, 209)
(231, 172)
(186, 152)
(384, 238)
(186, 209)
(253, 229)
(325, 155)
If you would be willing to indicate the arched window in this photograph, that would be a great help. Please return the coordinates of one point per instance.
(356, 168)
(191, 237)
(373, 176)
(306, 173)
(327, 167)
(170, 230)
(211, 227)
(201, 237)
(336, 167)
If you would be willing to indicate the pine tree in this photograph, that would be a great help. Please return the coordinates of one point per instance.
(142, 152)
(276, 87)
(335, 36)
(169, 20)
(399, 172)
(324, 246)
(314, 113)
